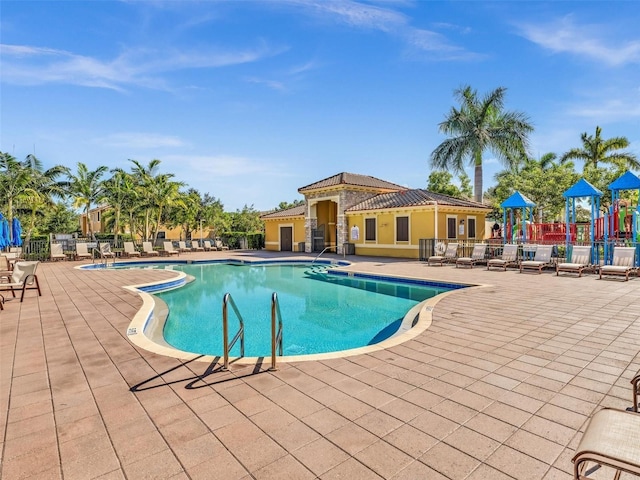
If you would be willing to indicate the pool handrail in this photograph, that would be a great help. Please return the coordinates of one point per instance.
(226, 300)
(276, 337)
(325, 249)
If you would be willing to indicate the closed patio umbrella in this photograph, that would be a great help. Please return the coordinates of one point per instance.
(16, 232)
(4, 232)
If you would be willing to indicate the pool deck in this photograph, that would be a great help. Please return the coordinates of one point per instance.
(501, 386)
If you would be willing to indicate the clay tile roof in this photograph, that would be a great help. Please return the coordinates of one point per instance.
(300, 210)
(412, 198)
(354, 179)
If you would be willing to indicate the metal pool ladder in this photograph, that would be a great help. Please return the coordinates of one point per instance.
(276, 332)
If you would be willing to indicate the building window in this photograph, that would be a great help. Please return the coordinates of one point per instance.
(402, 229)
(370, 229)
(471, 227)
(452, 227)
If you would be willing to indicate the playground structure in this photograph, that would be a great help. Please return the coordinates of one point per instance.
(618, 224)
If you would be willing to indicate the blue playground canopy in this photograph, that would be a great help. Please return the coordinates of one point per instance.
(515, 202)
(581, 189)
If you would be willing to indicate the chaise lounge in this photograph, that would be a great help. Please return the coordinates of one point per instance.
(580, 261)
(82, 251)
(541, 259)
(450, 255)
(56, 252)
(509, 258)
(130, 250)
(477, 256)
(147, 249)
(622, 264)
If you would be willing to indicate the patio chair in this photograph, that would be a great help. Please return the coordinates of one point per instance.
(207, 246)
(612, 439)
(477, 256)
(221, 246)
(82, 251)
(5, 267)
(450, 255)
(182, 247)
(509, 258)
(56, 252)
(635, 384)
(147, 250)
(541, 259)
(580, 261)
(130, 250)
(195, 246)
(169, 250)
(23, 277)
(623, 263)
(105, 251)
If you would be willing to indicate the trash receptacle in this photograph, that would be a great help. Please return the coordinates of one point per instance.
(349, 248)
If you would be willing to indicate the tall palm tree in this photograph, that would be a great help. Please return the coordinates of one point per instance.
(86, 188)
(145, 177)
(164, 195)
(597, 150)
(481, 124)
(119, 190)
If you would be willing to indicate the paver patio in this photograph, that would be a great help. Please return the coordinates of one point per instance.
(500, 386)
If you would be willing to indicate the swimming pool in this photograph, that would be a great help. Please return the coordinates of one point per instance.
(323, 309)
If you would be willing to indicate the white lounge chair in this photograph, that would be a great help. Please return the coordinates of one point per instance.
(509, 258)
(130, 250)
(105, 251)
(541, 259)
(82, 251)
(182, 247)
(147, 249)
(23, 277)
(195, 246)
(169, 250)
(477, 256)
(221, 246)
(579, 262)
(56, 252)
(207, 246)
(622, 264)
(450, 255)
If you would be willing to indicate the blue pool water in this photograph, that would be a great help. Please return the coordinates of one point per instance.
(321, 312)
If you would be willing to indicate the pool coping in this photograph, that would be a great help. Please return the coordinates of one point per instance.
(146, 328)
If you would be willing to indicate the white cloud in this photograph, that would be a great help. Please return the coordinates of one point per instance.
(29, 65)
(140, 140)
(565, 36)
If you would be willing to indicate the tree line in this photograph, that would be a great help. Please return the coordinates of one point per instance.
(141, 201)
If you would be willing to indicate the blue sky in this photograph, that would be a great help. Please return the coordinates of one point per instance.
(250, 100)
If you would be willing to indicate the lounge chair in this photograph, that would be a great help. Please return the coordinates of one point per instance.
(509, 258)
(82, 251)
(623, 263)
(182, 247)
(477, 256)
(541, 259)
(580, 261)
(221, 246)
(147, 249)
(5, 267)
(195, 246)
(450, 255)
(56, 252)
(635, 383)
(105, 251)
(207, 246)
(23, 277)
(130, 250)
(169, 250)
(612, 439)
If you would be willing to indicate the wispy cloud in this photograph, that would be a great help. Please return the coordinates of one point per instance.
(214, 166)
(140, 141)
(32, 65)
(272, 84)
(566, 36)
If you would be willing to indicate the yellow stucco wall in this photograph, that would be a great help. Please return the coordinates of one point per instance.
(272, 232)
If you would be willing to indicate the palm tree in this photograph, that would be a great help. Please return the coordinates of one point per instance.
(596, 150)
(26, 183)
(119, 190)
(164, 195)
(86, 188)
(144, 177)
(481, 124)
